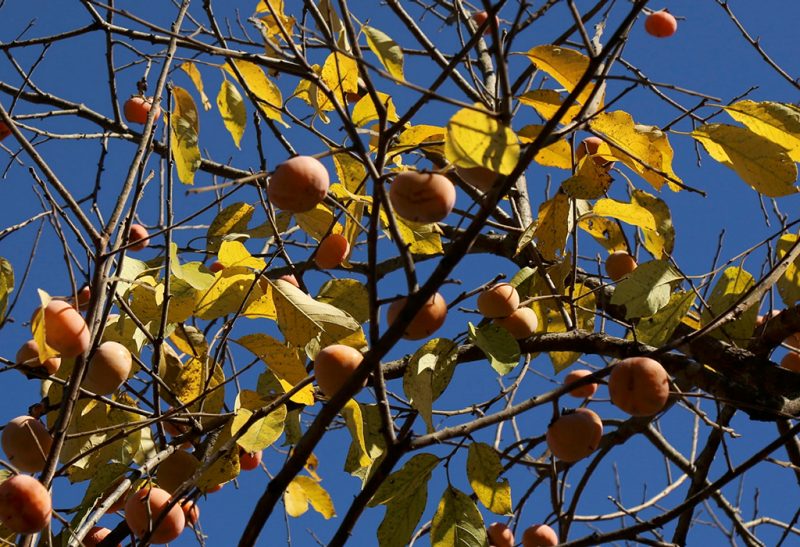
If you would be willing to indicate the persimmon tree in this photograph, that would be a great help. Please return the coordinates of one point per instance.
(529, 146)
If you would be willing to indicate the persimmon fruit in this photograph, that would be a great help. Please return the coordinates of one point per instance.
(575, 435)
(144, 507)
(501, 300)
(176, 469)
(298, 184)
(585, 391)
(191, 511)
(216, 266)
(619, 264)
(639, 386)
(108, 368)
(521, 324)
(480, 177)
(28, 354)
(137, 108)
(138, 237)
(661, 24)
(249, 460)
(590, 146)
(4, 131)
(95, 536)
(422, 197)
(26, 443)
(480, 18)
(333, 367)
(500, 535)
(25, 505)
(539, 535)
(791, 361)
(332, 251)
(427, 320)
(65, 329)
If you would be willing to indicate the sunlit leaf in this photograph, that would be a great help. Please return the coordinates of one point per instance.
(457, 522)
(558, 154)
(789, 282)
(234, 254)
(475, 138)
(355, 424)
(591, 181)
(606, 232)
(657, 329)
(267, 93)
(232, 109)
(423, 239)
(732, 284)
(483, 469)
(275, 19)
(661, 241)
(340, 76)
(348, 295)
(303, 490)
(264, 431)
(185, 127)
(565, 65)
(413, 476)
(226, 468)
(427, 375)
(317, 222)
(285, 362)
(6, 284)
(429, 137)
(500, 348)
(547, 102)
(234, 289)
(630, 213)
(195, 381)
(364, 111)
(233, 219)
(780, 123)
(388, 52)
(552, 225)
(373, 441)
(647, 289)
(191, 70)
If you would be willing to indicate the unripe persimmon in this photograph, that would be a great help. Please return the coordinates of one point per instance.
(249, 460)
(137, 108)
(4, 131)
(191, 511)
(575, 435)
(619, 264)
(480, 17)
(660, 24)
(422, 197)
(332, 251)
(500, 535)
(333, 367)
(29, 354)
(138, 236)
(539, 535)
(298, 184)
(25, 505)
(26, 443)
(108, 369)
(145, 506)
(499, 301)
(480, 177)
(65, 328)
(521, 324)
(176, 469)
(791, 361)
(427, 320)
(216, 266)
(95, 536)
(639, 386)
(584, 391)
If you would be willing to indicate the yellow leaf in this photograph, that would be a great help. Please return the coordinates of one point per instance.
(659, 242)
(647, 289)
(732, 284)
(553, 225)
(351, 174)
(6, 284)
(295, 499)
(483, 470)
(38, 329)
(475, 138)
(267, 93)
(317, 222)
(195, 381)
(189, 340)
(364, 111)
(233, 253)
(457, 521)
(565, 65)
(355, 424)
(657, 329)
(348, 295)
(643, 148)
(558, 154)
(630, 213)
(606, 232)
(275, 19)
(761, 163)
(547, 102)
(423, 239)
(591, 181)
(233, 219)
(262, 307)
(779, 123)
(231, 107)
(428, 137)
(789, 283)
(264, 431)
(191, 69)
(226, 468)
(185, 131)
(229, 293)
(388, 52)
(340, 76)
(283, 361)
(303, 490)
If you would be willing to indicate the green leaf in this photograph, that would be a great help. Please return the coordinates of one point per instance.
(388, 52)
(457, 522)
(483, 469)
(476, 138)
(413, 476)
(732, 284)
(401, 518)
(232, 109)
(498, 345)
(657, 329)
(185, 132)
(761, 163)
(647, 289)
(427, 375)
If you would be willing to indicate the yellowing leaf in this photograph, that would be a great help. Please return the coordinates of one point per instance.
(38, 329)
(429, 137)
(295, 499)
(590, 182)
(340, 75)
(233, 219)
(262, 307)
(500, 348)
(547, 102)
(732, 284)
(303, 490)
(761, 163)
(348, 295)
(276, 19)
(233, 254)
(566, 66)
(364, 111)
(661, 241)
(226, 468)
(423, 239)
(283, 361)
(317, 222)
(606, 232)
(264, 431)
(789, 282)
(185, 127)
(427, 375)
(643, 148)
(6, 284)
(457, 522)
(234, 289)
(475, 138)
(232, 109)
(558, 154)
(195, 381)
(779, 123)
(413, 476)
(355, 424)
(630, 213)
(657, 329)
(552, 225)
(647, 289)
(483, 469)
(189, 340)
(373, 441)
(388, 52)
(191, 70)
(267, 93)
(401, 519)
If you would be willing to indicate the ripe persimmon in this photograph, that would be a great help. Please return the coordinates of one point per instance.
(249, 460)
(661, 24)
(619, 264)
(521, 324)
(575, 435)
(95, 536)
(590, 145)
(585, 391)
(427, 320)
(480, 177)
(137, 108)
(4, 131)
(298, 184)
(191, 511)
(144, 507)
(791, 361)
(480, 18)
(500, 535)
(28, 354)
(176, 469)
(332, 251)
(539, 535)
(422, 197)
(333, 367)
(139, 237)
(639, 386)
(65, 329)
(108, 368)
(26, 443)
(25, 505)
(501, 300)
